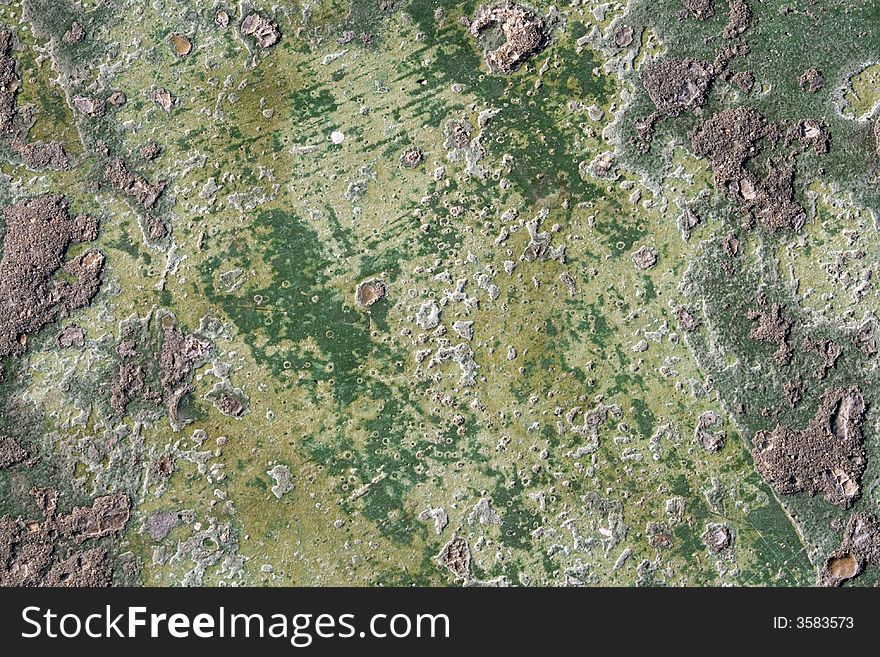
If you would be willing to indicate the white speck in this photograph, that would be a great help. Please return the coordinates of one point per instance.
(337, 137)
(332, 57)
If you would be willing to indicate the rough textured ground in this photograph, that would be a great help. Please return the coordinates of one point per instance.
(441, 293)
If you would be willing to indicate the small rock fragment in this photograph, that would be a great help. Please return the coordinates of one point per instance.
(645, 257)
(428, 316)
(91, 107)
(182, 45)
(283, 480)
(456, 556)
(264, 31)
(717, 537)
(164, 99)
(464, 329)
(370, 291)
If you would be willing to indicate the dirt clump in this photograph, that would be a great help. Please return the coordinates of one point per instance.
(163, 467)
(107, 515)
(10, 83)
(773, 327)
(865, 339)
(74, 34)
(230, 401)
(178, 356)
(25, 552)
(11, 453)
(131, 376)
(811, 80)
(412, 157)
(745, 80)
(828, 351)
(38, 233)
(731, 138)
(130, 381)
(731, 245)
(42, 155)
(264, 31)
(810, 134)
(89, 568)
(133, 185)
(877, 136)
(117, 99)
(150, 151)
(623, 36)
(232, 405)
(676, 85)
(156, 227)
(859, 548)
(794, 391)
(826, 457)
(728, 139)
(708, 432)
(524, 32)
(27, 558)
(774, 204)
(29, 549)
(687, 320)
(658, 534)
(71, 336)
(701, 9)
(739, 18)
